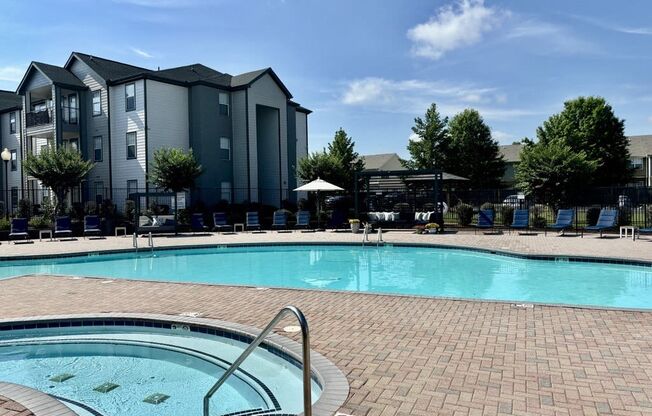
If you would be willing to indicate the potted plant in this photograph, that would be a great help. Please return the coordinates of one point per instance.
(355, 225)
(432, 228)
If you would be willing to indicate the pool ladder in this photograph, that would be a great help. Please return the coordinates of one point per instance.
(365, 236)
(305, 340)
(150, 241)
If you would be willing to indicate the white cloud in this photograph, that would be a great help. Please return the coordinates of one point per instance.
(414, 138)
(13, 73)
(502, 137)
(649, 119)
(142, 53)
(635, 30)
(545, 38)
(160, 3)
(453, 27)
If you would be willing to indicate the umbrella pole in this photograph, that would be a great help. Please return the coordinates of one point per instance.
(318, 212)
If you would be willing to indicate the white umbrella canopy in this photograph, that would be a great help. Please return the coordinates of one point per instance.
(318, 185)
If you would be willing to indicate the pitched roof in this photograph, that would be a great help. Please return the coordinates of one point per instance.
(9, 101)
(248, 78)
(383, 161)
(59, 75)
(106, 68)
(640, 146)
(511, 152)
(193, 74)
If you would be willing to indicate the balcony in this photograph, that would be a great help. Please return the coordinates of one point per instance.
(38, 118)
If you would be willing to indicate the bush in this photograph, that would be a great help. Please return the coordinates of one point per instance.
(487, 206)
(539, 222)
(507, 212)
(24, 209)
(592, 215)
(48, 209)
(130, 210)
(4, 224)
(464, 214)
(90, 208)
(107, 209)
(183, 216)
(40, 222)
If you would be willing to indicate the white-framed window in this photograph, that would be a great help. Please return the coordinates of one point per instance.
(225, 148)
(14, 160)
(225, 191)
(224, 103)
(130, 97)
(636, 163)
(97, 103)
(97, 148)
(12, 122)
(99, 192)
(131, 145)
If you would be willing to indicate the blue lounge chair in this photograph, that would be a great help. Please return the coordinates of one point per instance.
(564, 221)
(197, 223)
(92, 226)
(485, 220)
(606, 221)
(521, 219)
(252, 222)
(19, 229)
(220, 223)
(280, 221)
(303, 220)
(62, 227)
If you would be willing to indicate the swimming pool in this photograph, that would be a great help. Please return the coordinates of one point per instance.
(424, 271)
(124, 366)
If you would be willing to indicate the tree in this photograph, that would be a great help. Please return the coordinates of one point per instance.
(59, 169)
(552, 171)
(431, 148)
(588, 124)
(342, 149)
(322, 165)
(476, 155)
(174, 169)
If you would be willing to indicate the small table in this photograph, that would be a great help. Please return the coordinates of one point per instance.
(625, 229)
(235, 227)
(123, 229)
(41, 233)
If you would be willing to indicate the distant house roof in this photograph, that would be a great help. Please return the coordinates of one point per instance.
(106, 68)
(511, 152)
(56, 74)
(640, 146)
(10, 101)
(383, 161)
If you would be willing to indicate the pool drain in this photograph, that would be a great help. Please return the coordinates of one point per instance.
(292, 329)
(522, 305)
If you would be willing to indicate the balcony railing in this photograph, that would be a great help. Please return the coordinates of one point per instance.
(38, 118)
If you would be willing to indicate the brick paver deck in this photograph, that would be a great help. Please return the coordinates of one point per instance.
(11, 408)
(407, 355)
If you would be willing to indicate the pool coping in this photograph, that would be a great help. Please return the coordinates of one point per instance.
(335, 386)
(37, 402)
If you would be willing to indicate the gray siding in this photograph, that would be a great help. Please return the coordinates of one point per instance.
(269, 166)
(292, 151)
(11, 142)
(35, 80)
(239, 142)
(167, 117)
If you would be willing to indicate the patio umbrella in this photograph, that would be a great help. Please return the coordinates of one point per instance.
(318, 185)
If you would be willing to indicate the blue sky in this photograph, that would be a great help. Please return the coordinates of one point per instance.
(366, 65)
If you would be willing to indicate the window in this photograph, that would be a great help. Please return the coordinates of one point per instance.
(71, 144)
(636, 163)
(224, 103)
(14, 197)
(130, 97)
(12, 123)
(14, 160)
(132, 187)
(225, 148)
(72, 109)
(225, 194)
(131, 145)
(97, 103)
(97, 148)
(99, 192)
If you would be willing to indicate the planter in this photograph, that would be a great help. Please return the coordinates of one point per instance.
(355, 227)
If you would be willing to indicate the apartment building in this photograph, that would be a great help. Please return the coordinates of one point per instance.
(245, 130)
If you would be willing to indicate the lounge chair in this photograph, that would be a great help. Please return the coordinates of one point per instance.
(521, 219)
(252, 222)
(197, 223)
(92, 226)
(338, 220)
(606, 221)
(485, 220)
(62, 227)
(564, 221)
(19, 229)
(303, 220)
(280, 221)
(220, 223)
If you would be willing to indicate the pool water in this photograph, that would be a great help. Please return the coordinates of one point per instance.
(391, 269)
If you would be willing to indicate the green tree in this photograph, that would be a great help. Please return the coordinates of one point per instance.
(431, 148)
(59, 169)
(552, 172)
(342, 149)
(322, 165)
(476, 155)
(589, 124)
(174, 169)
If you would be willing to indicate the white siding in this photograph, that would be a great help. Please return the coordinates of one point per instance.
(239, 122)
(302, 142)
(266, 91)
(11, 142)
(122, 122)
(95, 126)
(167, 116)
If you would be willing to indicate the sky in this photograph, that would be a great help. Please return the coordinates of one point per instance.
(369, 66)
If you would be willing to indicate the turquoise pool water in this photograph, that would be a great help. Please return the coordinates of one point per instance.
(390, 269)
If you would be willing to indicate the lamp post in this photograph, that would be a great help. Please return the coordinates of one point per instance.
(6, 156)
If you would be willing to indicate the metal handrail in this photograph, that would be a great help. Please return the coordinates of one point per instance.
(305, 338)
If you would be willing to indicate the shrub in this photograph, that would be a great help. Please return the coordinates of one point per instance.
(24, 209)
(183, 216)
(4, 224)
(90, 208)
(40, 222)
(539, 222)
(48, 209)
(592, 215)
(464, 214)
(507, 212)
(107, 209)
(130, 210)
(487, 206)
